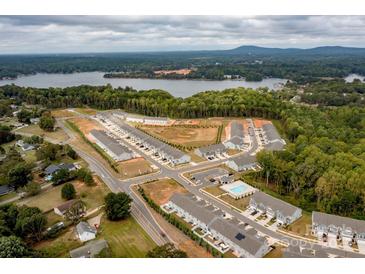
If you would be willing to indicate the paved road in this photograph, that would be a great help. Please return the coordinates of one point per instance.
(143, 214)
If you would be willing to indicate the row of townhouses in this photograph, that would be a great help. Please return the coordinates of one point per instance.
(109, 144)
(171, 154)
(242, 241)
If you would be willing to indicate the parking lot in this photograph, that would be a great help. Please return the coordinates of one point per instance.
(208, 177)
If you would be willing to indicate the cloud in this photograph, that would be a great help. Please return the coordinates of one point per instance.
(55, 34)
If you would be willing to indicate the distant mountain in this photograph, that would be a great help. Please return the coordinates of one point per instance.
(325, 50)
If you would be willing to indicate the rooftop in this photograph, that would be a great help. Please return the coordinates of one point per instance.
(237, 129)
(274, 203)
(89, 250)
(271, 132)
(85, 227)
(212, 148)
(110, 142)
(244, 160)
(320, 218)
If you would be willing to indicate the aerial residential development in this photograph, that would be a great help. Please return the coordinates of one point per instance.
(244, 152)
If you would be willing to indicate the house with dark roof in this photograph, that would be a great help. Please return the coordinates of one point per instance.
(284, 212)
(85, 232)
(117, 151)
(25, 146)
(63, 208)
(52, 169)
(89, 250)
(242, 163)
(5, 189)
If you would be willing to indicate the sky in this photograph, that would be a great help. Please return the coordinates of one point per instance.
(75, 34)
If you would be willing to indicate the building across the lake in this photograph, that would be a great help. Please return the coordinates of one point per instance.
(117, 151)
(226, 232)
(242, 163)
(284, 212)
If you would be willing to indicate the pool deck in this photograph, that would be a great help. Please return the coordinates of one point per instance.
(234, 188)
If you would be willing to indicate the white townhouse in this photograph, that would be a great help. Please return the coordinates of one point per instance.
(284, 212)
(117, 151)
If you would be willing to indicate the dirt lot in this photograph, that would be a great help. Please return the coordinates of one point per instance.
(260, 122)
(87, 111)
(134, 167)
(85, 125)
(61, 113)
(184, 135)
(161, 191)
(58, 136)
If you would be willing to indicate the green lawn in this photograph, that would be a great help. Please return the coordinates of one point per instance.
(126, 238)
(7, 196)
(214, 190)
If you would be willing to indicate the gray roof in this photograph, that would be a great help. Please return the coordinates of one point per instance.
(214, 221)
(51, 169)
(274, 146)
(238, 141)
(5, 189)
(320, 218)
(244, 160)
(110, 142)
(54, 168)
(155, 118)
(237, 129)
(85, 227)
(161, 146)
(89, 250)
(188, 204)
(212, 148)
(271, 132)
(275, 204)
(237, 235)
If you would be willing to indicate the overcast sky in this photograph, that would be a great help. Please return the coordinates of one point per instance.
(65, 34)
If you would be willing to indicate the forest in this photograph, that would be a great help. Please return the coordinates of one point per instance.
(251, 63)
(323, 165)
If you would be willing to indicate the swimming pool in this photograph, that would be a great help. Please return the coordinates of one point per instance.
(238, 189)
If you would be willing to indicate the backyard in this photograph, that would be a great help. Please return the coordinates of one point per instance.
(126, 238)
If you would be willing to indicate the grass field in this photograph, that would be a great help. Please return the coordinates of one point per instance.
(61, 113)
(186, 136)
(93, 196)
(161, 191)
(126, 238)
(214, 190)
(240, 203)
(7, 196)
(302, 226)
(58, 136)
(60, 247)
(87, 111)
(134, 167)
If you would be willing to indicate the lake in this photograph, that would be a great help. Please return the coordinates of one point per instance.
(178, 88)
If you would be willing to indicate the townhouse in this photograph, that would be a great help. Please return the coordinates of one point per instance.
(117, 151)
(284, 212)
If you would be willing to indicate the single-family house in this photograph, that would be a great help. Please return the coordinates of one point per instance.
(24, 146)
(284, 212)
(63, 208)
(85, 232)
(89, 250)
(52, 169)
